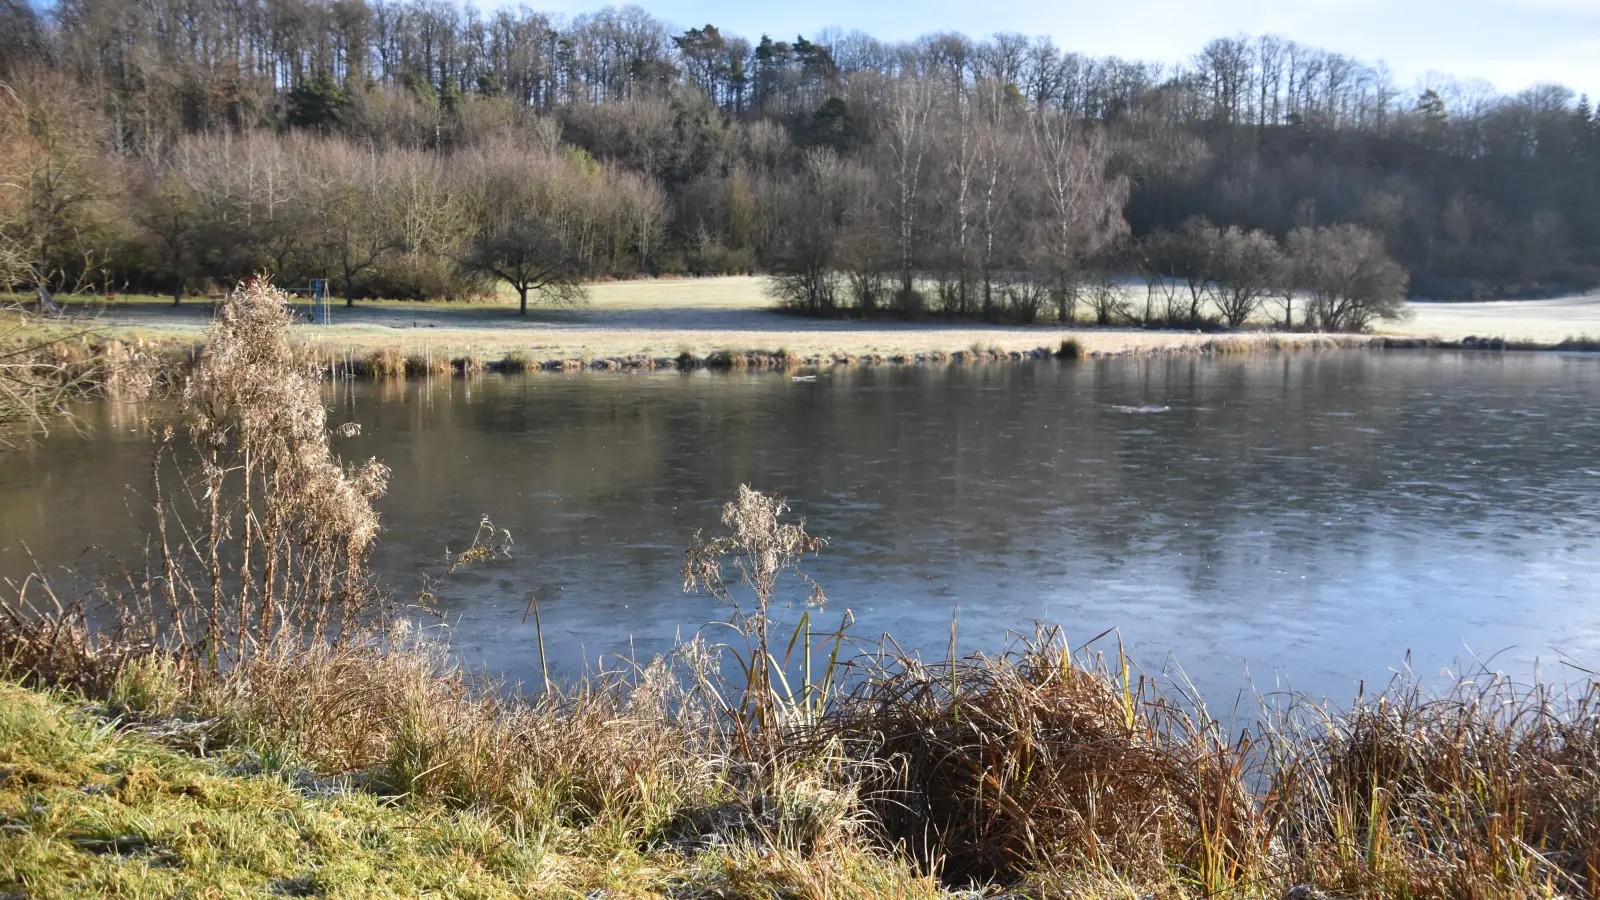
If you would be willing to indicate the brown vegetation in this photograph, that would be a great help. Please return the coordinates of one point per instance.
(40, 374)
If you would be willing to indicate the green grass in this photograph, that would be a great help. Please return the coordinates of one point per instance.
(89, 810)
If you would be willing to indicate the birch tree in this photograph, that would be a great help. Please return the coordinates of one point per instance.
(906, 138)
(1083, 204)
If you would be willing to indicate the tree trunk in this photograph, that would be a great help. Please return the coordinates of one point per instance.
(522, 294)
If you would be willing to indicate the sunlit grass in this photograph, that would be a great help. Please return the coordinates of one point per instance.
(92, 811)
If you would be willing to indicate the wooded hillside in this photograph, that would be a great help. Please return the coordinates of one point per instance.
(422, 148)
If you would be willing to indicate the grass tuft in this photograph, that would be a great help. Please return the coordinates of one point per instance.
(1234, 347)
(1070, 349)
(1036, 762)
(726, 359)
(428, 365)
(385, 363)
(516, 361)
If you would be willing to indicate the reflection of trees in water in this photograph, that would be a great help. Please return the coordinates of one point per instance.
(1267, 457)
(1249, 448)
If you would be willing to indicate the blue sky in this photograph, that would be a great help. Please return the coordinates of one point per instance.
(1512, 43)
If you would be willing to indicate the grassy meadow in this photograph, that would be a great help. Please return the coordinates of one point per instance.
(659, 319)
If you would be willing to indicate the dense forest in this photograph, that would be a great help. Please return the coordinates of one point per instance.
(425, 149)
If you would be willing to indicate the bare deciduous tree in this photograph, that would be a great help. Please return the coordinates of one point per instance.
(523, 232)
(1351, 278)
(907, 138)
(1082, 213)
(1248, 266)
(807, 266)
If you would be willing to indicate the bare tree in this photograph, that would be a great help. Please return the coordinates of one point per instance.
(1192, 256)
(532, 255)
(352, 231)
(907, 137)
(1105, 299)
(1351, 277)
(168, 212)
(522, 236)
(958, 130)
(806, 267)
(1082, 212)
(1000, 146)
(1025, 295)
(61, 192)
(545, 221)
(1248, 266)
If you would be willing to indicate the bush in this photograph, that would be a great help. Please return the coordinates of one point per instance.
(515, 361)
(427, 364)
(386, 363)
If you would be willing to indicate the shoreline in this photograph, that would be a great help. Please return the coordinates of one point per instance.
(1234, 345)
(725, 323)
(714, 322)
(132, 366)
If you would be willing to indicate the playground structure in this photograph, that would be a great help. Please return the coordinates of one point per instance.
(321, 313)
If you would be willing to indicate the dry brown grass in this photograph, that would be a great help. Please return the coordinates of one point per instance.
(1489, 790)
(428, 365)
(1004, 767)
(1056, 776)
(40, 373)
(408, 722)
(516, 361)
(385, 362)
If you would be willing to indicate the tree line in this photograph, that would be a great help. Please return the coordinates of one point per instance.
(421, 148)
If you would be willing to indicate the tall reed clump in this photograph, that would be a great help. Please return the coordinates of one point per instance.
(1489, 790)
(428, 364)
(283, 526)
(758, 549)
(40, 375)
(262, 534)
(1231, 347)
(37, 379)
(1034, 763)
(387, 362)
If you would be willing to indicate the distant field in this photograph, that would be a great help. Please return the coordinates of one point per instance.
(666, 317)
(1546, 321)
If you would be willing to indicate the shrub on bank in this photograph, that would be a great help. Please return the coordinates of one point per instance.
(515, 361)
